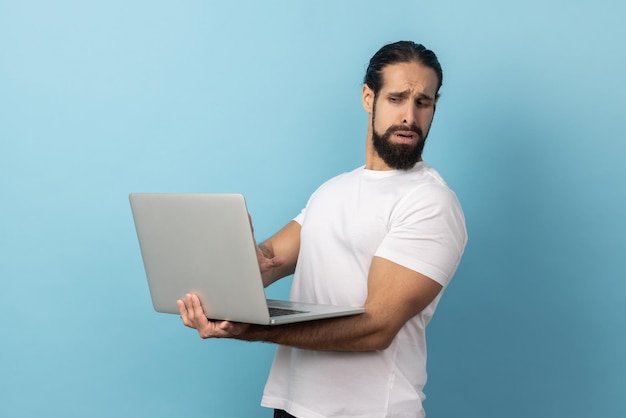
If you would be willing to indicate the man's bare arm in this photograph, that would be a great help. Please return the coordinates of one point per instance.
(278, 254)
(395, 294)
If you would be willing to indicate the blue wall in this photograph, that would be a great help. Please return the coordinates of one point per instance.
(98, 99)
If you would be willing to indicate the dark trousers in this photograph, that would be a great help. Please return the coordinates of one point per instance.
(279, 413)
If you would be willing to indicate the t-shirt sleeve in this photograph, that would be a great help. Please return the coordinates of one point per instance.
(427, 233)
(300, 217)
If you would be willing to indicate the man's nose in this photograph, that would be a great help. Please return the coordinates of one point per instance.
(409, 116)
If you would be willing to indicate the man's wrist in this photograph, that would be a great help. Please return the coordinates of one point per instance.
(254, 333)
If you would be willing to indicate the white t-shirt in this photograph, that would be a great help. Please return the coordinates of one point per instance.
(409, 217)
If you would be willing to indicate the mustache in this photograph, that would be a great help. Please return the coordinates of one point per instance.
(411, 128)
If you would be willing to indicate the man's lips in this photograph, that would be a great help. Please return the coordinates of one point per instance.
(405, 136)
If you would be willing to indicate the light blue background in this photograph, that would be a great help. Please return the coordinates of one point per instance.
(99, 99)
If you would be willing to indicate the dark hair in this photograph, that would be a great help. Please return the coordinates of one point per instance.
(399, 52)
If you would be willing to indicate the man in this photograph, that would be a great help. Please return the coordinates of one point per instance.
(387, 236)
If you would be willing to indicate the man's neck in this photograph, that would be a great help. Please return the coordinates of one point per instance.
(372, 159)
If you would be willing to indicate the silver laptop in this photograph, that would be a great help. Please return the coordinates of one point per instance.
(203, 244)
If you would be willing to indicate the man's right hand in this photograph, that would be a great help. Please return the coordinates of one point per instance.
(193, 316)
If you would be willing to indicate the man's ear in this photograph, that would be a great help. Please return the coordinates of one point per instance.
(367, 98)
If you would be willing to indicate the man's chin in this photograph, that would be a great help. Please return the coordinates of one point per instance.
(397, 151)
(401, 161)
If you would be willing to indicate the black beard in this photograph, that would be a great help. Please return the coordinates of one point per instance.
(398, 156)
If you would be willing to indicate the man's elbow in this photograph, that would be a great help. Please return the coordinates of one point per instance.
(380, 341)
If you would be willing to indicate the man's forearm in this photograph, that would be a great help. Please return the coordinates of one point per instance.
(352, 333)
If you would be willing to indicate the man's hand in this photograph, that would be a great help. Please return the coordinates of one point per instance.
(267, 263)
(277, 256)
(193, 316)
(267, 260)
(276, 265)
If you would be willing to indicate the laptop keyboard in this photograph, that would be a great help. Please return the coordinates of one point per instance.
(282, 311)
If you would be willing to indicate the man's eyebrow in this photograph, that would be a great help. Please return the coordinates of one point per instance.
(425, 96)
(405, 93)
(399, 93)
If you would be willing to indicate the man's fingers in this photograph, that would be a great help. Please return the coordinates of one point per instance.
(193, 316)
(196, 305)
(184, 313)
(196, 311)
(267, 264)
(278, 261)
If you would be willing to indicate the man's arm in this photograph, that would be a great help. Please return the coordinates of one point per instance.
(278, 255)
(395, 295)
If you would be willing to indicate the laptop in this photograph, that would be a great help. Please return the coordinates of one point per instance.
(203, 244)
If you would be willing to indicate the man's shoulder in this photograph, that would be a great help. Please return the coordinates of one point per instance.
(425, 186)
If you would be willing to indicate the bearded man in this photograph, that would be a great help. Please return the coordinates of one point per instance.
(387, 236)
